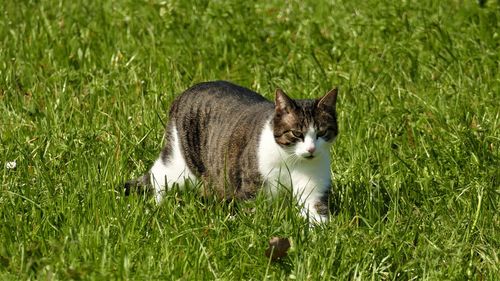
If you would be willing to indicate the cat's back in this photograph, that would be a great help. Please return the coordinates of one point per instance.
(219, 98)
(218, 125)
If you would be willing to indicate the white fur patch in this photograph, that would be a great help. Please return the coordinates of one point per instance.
(280, 167)
(174, 171)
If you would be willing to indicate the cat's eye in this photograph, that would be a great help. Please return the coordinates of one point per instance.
(297, 134)
(321, 133)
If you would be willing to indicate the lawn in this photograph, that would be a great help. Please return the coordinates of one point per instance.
(85, 87)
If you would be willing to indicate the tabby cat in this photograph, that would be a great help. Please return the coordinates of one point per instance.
(234, 142)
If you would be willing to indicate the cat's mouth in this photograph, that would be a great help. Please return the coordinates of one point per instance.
(309, 156)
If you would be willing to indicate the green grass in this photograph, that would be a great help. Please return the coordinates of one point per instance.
(84, 91)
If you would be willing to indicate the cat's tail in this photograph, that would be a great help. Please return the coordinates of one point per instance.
(140, 185)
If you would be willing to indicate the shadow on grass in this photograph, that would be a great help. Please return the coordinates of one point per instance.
(368, 201)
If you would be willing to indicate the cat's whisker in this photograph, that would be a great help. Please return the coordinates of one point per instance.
(293, 160)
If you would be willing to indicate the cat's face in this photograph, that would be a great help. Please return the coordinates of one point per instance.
(305, 128)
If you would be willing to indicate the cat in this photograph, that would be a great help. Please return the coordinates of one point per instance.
(233, 142)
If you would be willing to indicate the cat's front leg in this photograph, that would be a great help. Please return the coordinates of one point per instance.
(316, 209)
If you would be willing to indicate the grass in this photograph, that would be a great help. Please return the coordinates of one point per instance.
(85, 88)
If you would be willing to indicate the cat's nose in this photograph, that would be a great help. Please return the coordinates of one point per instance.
(311, 149)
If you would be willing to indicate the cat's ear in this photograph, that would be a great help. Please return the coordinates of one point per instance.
(283, 104)
(329, 100)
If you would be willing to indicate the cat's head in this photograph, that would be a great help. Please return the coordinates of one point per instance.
(305, 128)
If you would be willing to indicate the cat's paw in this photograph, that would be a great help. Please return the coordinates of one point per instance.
(314, 217)
(139, 185)
(129, 187)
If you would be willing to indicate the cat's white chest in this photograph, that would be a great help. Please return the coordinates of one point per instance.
(308, 179)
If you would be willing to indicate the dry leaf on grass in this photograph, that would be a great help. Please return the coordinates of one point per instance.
(278, 248)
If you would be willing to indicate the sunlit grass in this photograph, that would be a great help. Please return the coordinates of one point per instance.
(85, 87)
